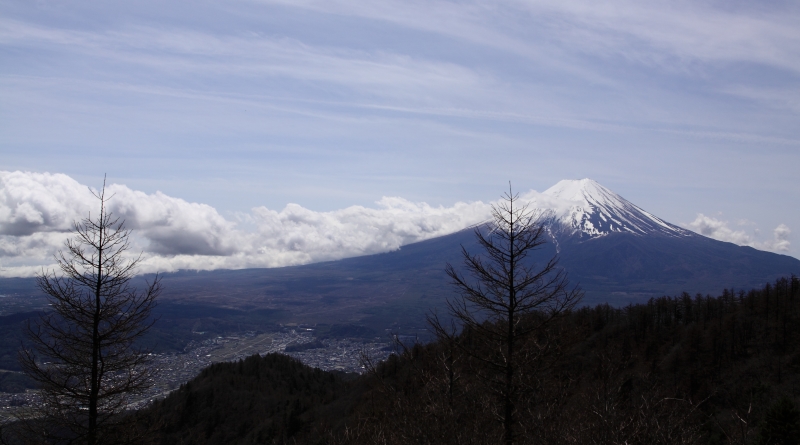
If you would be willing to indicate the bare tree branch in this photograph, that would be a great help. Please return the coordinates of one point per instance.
(83, 353)
(505, 299)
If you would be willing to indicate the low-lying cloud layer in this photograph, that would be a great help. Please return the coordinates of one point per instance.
(719, 230)
(38, 210)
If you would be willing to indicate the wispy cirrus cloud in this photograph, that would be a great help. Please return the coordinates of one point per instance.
(671, 35)
(558, 38)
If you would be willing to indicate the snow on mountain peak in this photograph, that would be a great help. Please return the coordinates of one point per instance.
(586, 190)
(593, 210)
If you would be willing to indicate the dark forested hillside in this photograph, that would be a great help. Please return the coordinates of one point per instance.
(685, 369)
(258, 400)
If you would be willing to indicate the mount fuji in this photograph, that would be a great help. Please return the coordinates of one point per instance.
(616, 251)
(620, 253)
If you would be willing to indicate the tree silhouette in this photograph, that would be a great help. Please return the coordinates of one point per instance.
(509, 299)
(82, 353)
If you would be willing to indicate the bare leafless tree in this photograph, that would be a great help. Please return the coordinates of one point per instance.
(82, 353)
(507, 304)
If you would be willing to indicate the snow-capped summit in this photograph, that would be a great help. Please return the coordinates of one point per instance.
(597, 211)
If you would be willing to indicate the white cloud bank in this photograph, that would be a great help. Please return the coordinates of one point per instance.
(37, 211)
(719, 230)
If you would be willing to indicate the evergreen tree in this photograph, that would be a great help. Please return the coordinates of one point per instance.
(781, 425)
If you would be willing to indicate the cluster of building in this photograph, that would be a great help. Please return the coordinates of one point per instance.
(175, 369)
(346, 355)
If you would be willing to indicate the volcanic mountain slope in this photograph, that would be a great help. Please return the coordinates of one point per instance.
(617, 252)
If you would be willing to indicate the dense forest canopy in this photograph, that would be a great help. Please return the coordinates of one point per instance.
(683, 369)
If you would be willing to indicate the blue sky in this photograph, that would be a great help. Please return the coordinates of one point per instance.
(684, 108)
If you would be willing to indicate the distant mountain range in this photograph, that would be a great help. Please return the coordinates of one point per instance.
(616, 251)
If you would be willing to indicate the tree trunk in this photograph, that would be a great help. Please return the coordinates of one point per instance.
(94, 390)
